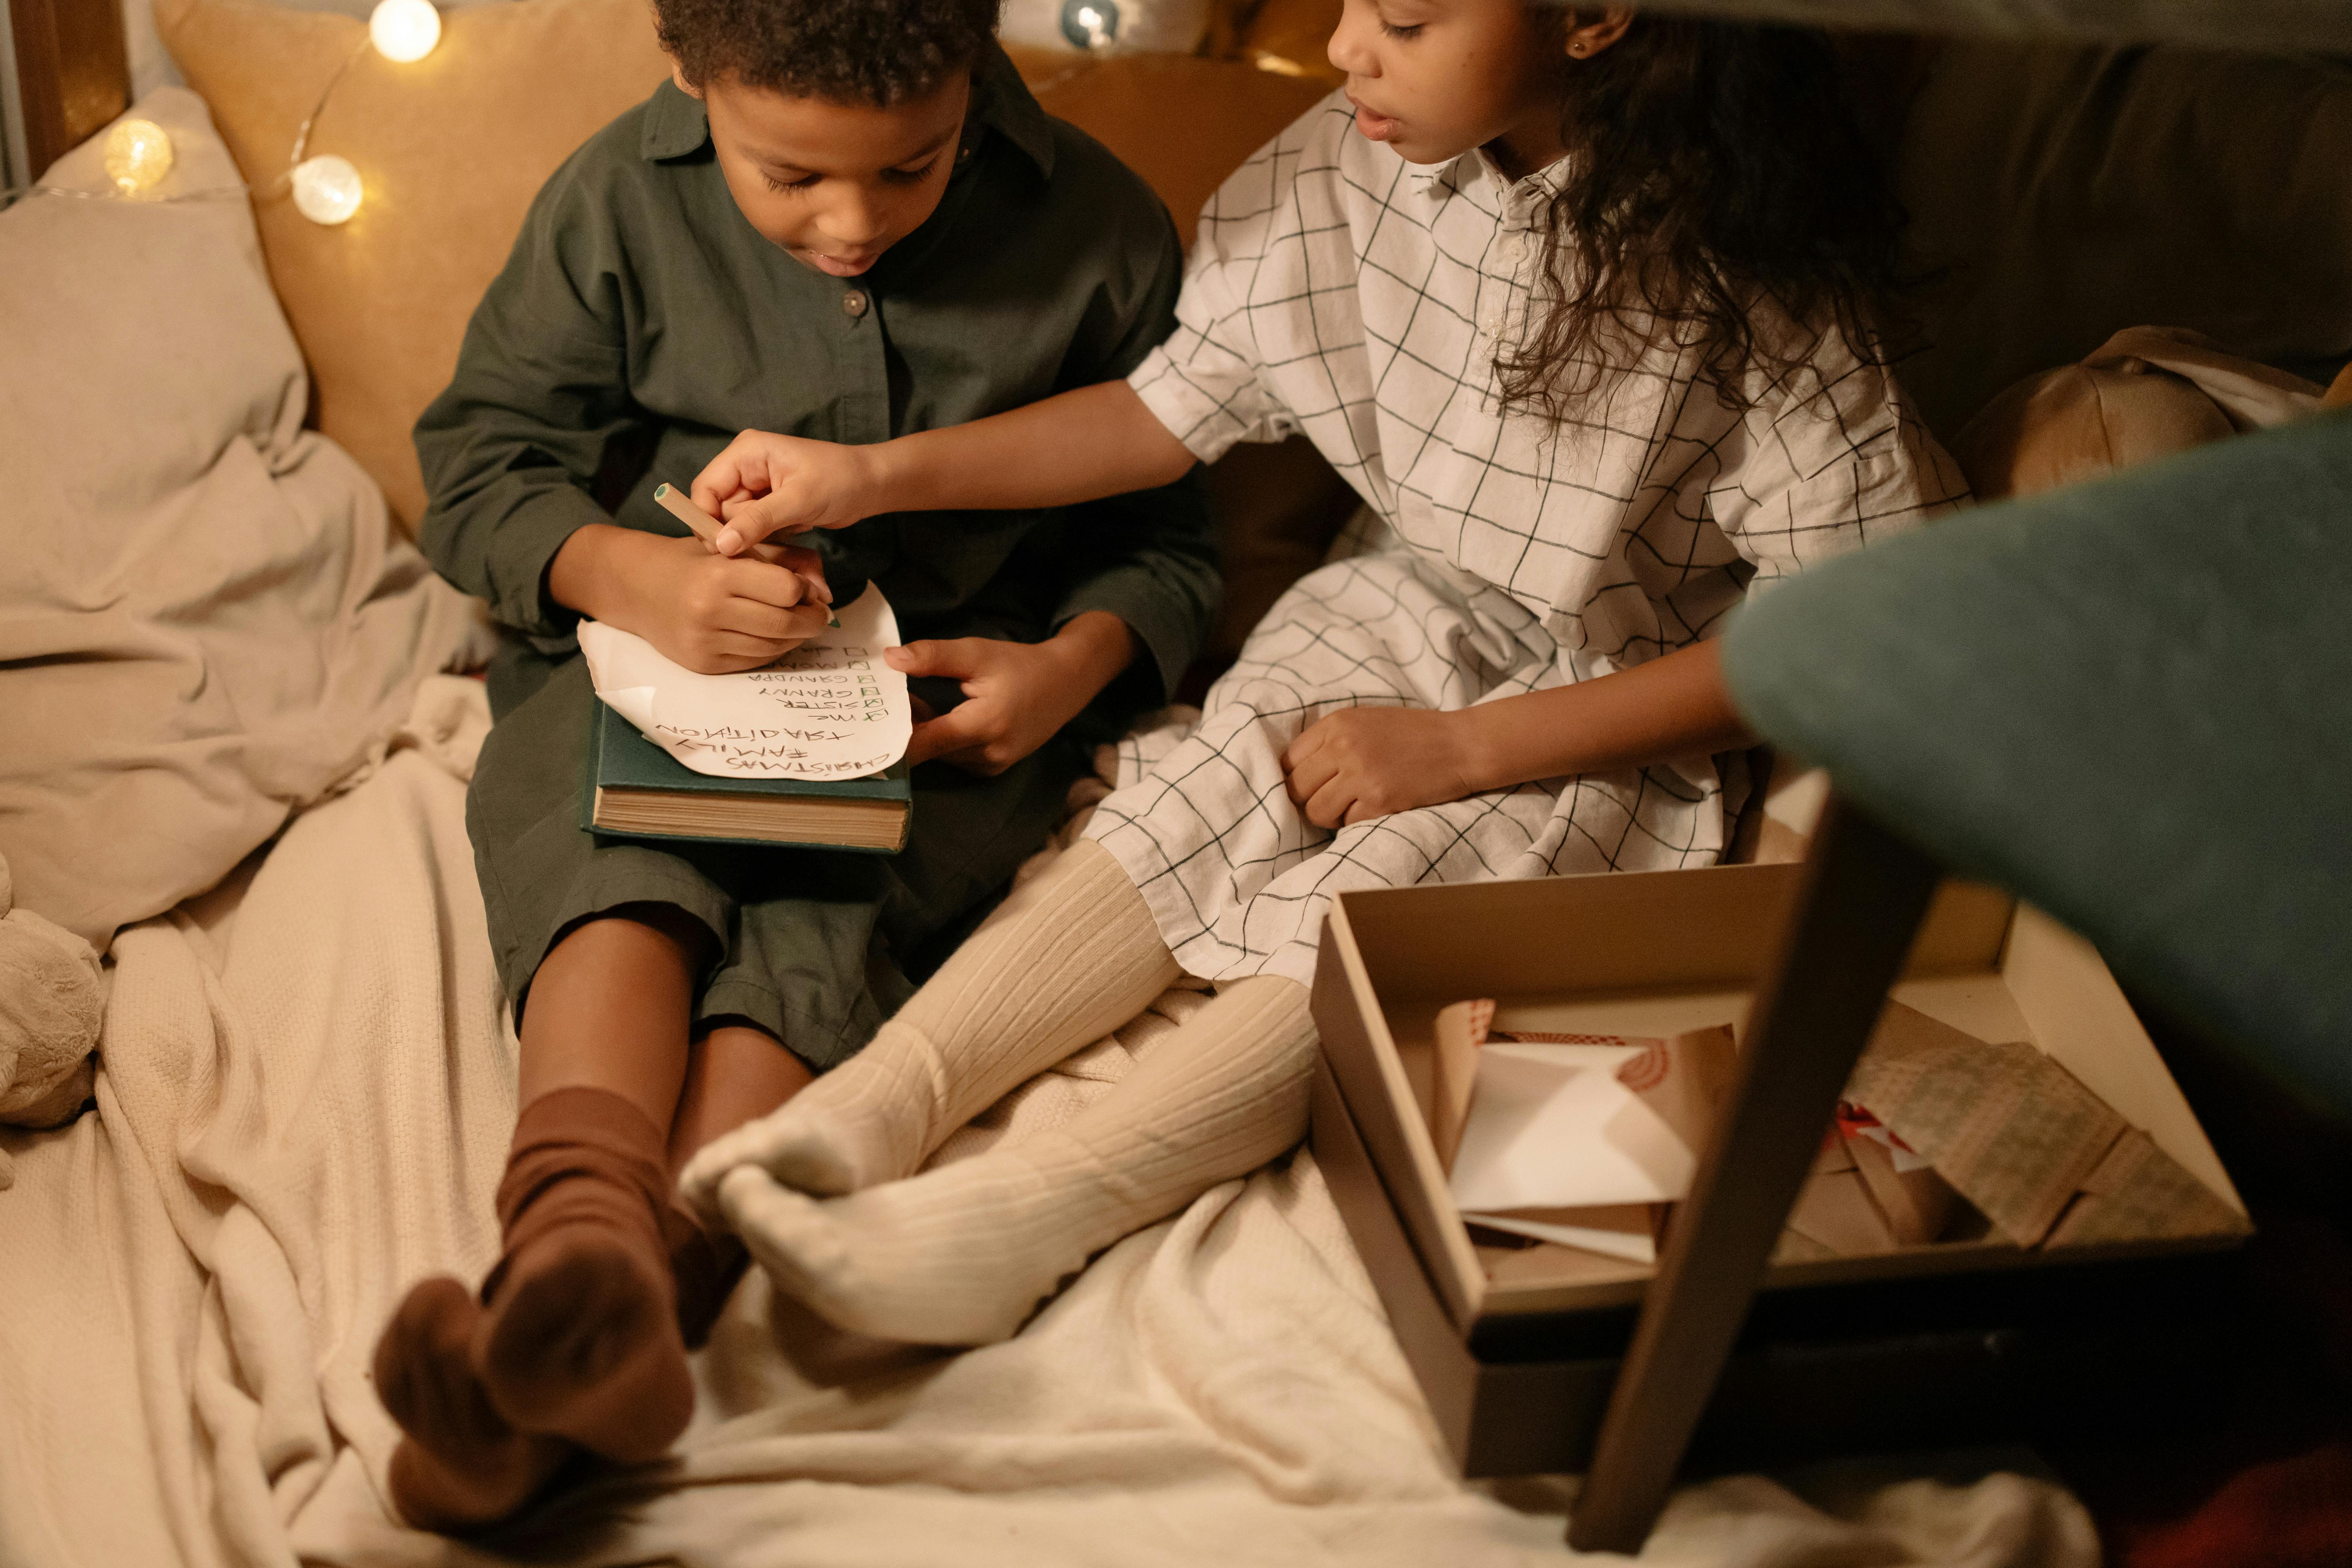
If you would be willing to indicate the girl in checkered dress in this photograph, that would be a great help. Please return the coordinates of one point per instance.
(1579, 303)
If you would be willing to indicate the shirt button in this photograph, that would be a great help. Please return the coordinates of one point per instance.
(853, 303)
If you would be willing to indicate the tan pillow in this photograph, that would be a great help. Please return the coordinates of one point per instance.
(1291, 37)
(451, 150)
(206, 622)
(1183, 123)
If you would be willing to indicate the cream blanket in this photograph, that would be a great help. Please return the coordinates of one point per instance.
(305, 1098)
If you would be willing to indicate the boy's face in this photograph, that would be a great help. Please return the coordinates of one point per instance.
(836, 185)
(1433, 79)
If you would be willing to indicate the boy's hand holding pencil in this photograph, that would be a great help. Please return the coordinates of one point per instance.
(711, 613)
(807, 562)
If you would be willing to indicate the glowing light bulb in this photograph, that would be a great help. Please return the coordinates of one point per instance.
(405, 30)
(1091, 24)
(137, 154)
(326, 189)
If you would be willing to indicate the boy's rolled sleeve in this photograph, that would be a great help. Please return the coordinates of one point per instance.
(510, 449)
(1161, 580)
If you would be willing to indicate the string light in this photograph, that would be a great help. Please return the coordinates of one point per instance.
(327, 189)
(405, 30)
(138, 156)
(1091, 24)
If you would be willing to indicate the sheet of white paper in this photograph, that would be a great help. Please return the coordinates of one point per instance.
(828, 710)
(1619, 1231)
(1550, 1127)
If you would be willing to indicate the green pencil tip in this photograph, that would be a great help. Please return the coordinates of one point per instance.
(660, 490)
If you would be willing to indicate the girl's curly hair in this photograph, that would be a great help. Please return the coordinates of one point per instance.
(877, 52)
(1716, 174)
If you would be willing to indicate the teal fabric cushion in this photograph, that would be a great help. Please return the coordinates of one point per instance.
(2129, 701)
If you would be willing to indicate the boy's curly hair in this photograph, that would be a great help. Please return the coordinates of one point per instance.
(1717, 177)
(873, 52)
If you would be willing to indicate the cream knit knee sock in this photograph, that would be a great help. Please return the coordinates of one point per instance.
(960, 1255)
(1068, 959)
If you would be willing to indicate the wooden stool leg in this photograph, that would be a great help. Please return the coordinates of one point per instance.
(1863, 895)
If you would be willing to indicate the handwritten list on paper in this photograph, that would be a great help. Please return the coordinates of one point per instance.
(828, 710)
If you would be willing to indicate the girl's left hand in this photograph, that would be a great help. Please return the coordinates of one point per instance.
(1016, 695)
(1362, 762)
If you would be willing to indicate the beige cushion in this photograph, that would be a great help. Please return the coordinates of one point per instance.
(1291, 37)
(2069, 193)
(205, 620)
(451, 149)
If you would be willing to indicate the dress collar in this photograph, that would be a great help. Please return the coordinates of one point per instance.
(1520, 199)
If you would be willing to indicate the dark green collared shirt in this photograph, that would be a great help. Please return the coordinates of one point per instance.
(641, 310)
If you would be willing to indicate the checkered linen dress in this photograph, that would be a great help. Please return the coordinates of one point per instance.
(1340, 291)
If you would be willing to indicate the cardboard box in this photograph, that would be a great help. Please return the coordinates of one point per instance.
(1516, 1349)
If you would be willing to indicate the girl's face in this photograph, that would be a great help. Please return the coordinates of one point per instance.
(1436, 78)
(1433, 79)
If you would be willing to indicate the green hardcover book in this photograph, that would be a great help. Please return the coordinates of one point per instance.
(637, 790)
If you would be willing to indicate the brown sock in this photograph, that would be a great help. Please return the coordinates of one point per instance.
(707, 1266)
(579, 1334)
(461, 1467)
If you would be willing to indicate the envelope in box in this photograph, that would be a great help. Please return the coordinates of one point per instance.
(1572, 1138)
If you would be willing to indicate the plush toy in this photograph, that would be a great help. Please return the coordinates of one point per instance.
(49, 1005)
(2147, 393)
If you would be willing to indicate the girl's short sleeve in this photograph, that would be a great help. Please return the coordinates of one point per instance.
(1837, 461)
(1205, 382)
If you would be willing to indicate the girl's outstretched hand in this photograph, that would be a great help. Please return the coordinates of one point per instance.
(763, 484)
(1362, 762)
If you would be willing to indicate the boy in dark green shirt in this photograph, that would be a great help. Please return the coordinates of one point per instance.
(844, 219)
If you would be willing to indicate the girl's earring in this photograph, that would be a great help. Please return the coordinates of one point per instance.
(1577, 49)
